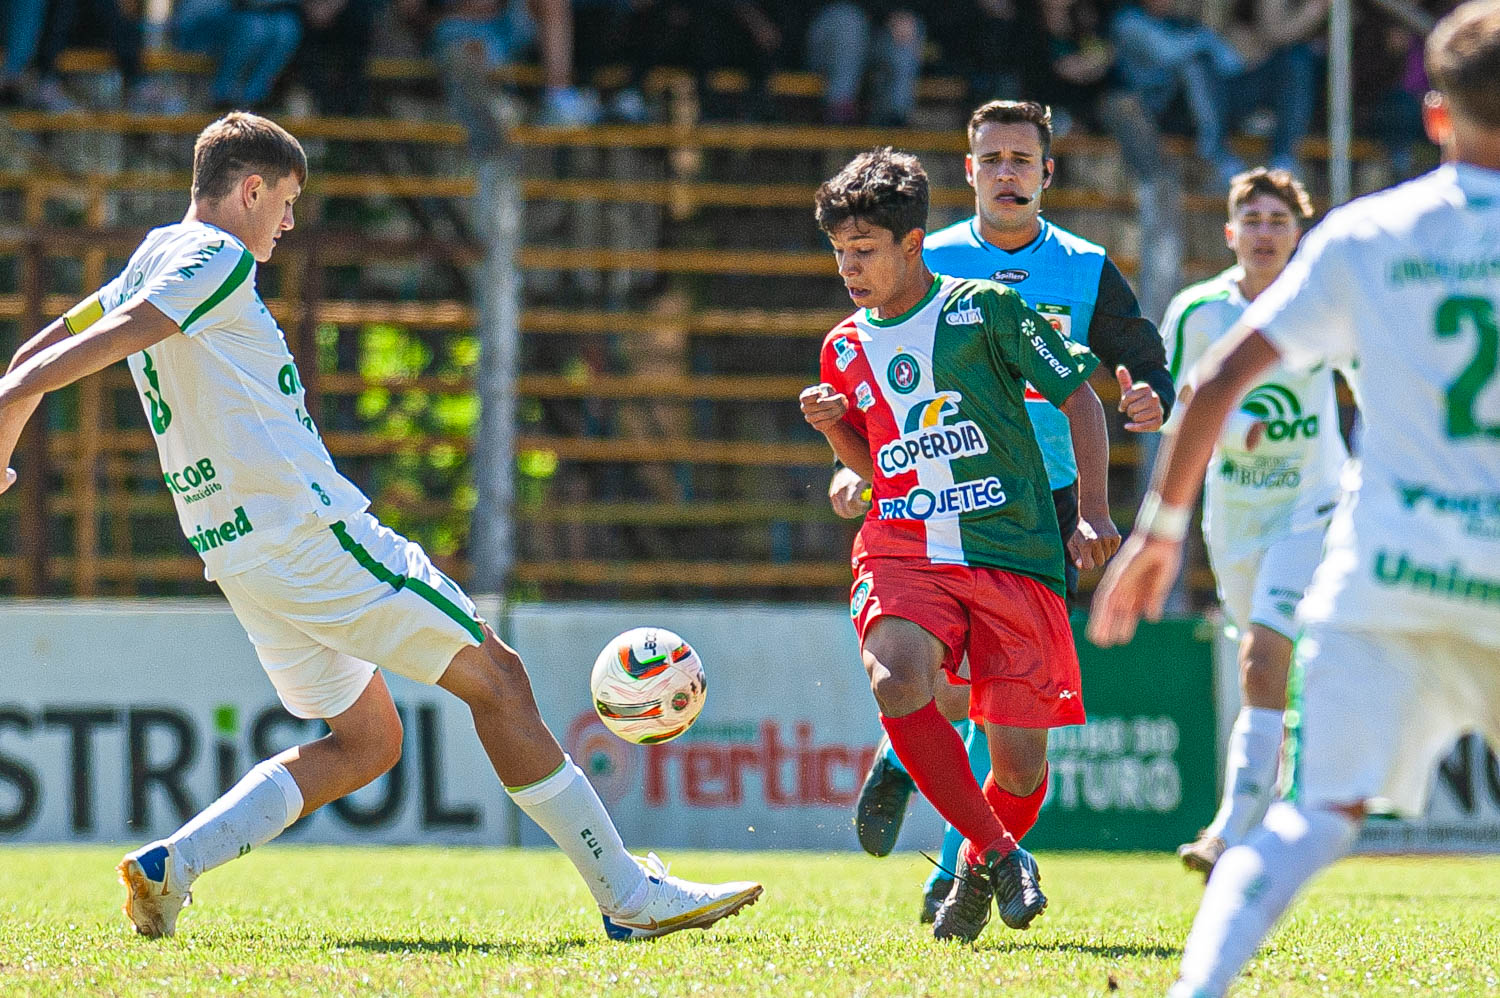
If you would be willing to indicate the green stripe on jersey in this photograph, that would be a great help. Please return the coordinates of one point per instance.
(399, 582)
(235, 279)
(1176, 366)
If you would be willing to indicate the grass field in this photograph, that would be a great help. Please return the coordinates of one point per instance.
(426, 921)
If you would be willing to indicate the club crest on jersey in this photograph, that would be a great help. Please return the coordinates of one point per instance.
(846, 353)
(965, 313)
(903, 374)
(1011, 275)
(864, 397)
(1281, 411)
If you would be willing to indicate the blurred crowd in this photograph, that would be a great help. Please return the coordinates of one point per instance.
(1132, 67)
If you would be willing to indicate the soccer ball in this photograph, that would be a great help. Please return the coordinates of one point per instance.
(648, 685)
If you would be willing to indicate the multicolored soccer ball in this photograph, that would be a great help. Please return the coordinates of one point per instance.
(648, 685)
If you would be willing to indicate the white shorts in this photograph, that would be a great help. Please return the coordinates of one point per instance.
(340, 601)
(1266, 587)
(1379, 710)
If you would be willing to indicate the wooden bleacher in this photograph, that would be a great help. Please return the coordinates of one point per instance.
(675, 295)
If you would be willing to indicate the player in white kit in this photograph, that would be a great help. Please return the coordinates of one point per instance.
(1401, 639)
(1271, 486)
(324, 591)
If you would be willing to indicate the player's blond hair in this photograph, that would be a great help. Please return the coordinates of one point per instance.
(238, 145)
(1463, 60)
(1279, 184)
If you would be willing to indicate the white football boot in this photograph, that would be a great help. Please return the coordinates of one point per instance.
(154, 896)
(673, 904)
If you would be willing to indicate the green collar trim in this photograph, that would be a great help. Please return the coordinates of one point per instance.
(937, 281)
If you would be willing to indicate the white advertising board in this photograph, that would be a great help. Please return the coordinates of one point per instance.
(120, 720)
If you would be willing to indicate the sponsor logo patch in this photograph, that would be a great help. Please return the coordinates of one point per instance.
(864, 398)
(846, 353)
(964, 314)
(1280, 409)
(962, 497)
(1010, 275)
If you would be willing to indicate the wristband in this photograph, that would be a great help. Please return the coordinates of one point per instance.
(1163, 522)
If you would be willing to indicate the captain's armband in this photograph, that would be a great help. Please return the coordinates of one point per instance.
(83, 315)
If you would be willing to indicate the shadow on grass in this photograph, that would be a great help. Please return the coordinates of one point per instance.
(463, 946)
(1094, 949)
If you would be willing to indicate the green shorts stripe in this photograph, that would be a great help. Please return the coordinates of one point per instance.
(399, 582)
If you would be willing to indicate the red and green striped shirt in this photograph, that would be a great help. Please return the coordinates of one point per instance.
(938, 393)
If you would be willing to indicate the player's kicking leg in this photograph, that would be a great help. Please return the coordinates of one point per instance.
(319, 615)
(637, 898)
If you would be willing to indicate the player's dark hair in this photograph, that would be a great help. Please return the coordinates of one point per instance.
(238, 145)
(1012, 112)
(1463, 60)
(1280, 184)
(882, 188)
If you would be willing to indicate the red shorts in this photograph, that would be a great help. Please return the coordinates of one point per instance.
(1022, 664)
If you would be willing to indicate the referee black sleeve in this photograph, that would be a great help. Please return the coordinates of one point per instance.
(1119, 334)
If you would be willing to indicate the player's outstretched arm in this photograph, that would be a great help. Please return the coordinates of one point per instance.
(1137, 584)
(54, 360)
(1096, 538)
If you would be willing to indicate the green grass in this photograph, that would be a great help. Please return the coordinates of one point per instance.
(425, 921)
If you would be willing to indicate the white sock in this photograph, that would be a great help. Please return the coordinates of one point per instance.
(253, 812)
(1252, 885)
(1249, 773)
(567, 808)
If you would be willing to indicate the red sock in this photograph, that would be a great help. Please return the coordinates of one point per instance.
(934, 755)
(1018, 813)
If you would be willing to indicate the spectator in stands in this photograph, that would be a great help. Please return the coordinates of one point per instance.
(105, 24)
(251, 40)
(970, 33)
(1390, 82)
(1275, 38)
(23, 33)
(696, 35)
(471, 39)
(263, 36)
(884, 38)
(335, 53)
(1078, 62)
(1161, 56)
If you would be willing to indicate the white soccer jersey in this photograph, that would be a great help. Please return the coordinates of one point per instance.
(1289, 480)
(240, 455)
(1401, 288)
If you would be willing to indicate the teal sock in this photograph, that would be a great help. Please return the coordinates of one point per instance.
(978, 747)
(888, 753)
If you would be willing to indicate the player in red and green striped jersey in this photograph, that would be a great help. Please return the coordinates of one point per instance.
(922, 394)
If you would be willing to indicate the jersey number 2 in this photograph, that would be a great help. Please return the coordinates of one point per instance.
(1465, 389)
